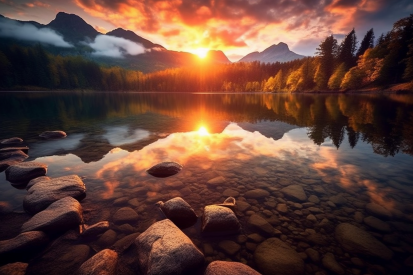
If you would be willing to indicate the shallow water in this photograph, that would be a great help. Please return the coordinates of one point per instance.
(356, 147)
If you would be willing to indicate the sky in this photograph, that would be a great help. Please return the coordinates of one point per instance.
(236, 27)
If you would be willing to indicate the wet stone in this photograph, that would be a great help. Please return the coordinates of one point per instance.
(314, 199)
(229, 247)
(12, 140)
(125, 215)
(378, 210)
(106, 239)
(217, 181)
(313, 254)
(330, 263)
(164, 169)
(377, 224)
(25, 171)
(103, 262)
(36, 180)
(259, 223)
(25, 241)
(179, 212)
(338, 200)
(256, 194)
(282, 208)
(124, 243)
(16, 268)
(11, 158)
(255, 237)
(53, 134)
(95, 229)
(243, 206)
(295, 192)
(358, 217)
(230, 193)
(226, 268)
(219, 219)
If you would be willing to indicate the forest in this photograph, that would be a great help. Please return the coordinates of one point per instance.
(335, 67)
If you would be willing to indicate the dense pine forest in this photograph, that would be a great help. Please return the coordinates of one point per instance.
(336, 67)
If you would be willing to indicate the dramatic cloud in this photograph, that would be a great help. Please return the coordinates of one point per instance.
(112, 46)
(29, 32)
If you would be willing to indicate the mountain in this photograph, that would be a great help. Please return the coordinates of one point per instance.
(130, 35)
(274, 53)
(73, 28)
(217, 57)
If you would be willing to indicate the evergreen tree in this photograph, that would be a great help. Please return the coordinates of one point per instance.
(347, 50)
(366, 43)
(326, 53)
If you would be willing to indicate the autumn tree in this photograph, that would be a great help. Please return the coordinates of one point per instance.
(325, 55)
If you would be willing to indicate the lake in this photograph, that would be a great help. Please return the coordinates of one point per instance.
(350, 154)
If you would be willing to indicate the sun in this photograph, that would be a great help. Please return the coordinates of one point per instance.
(203, 131)
(201, 52)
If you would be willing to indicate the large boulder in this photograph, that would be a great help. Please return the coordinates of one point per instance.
(103, 262)
(43, 193)
(25, 171)
(179, 212)
(274, 256)
(25, 241)
(356, 240)
(60, 215)
(165, 169)
(53, 134)
(164, 249)
(219, 219)
(36, 180)
(229, 268)
(295, 192)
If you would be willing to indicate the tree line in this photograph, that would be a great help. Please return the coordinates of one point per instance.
(344, 66)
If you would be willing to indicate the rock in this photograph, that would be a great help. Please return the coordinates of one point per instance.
(11, 158)
(219, 219)
(311, 218)
(103, 262)
(230, 193)
(282, 208)
(14, 269)
(295, 192)
(5, 207)
(95, 229)
(314, 199)
(358, 241)
(125, 215)
(31, 240)
(179, 212)
(274, 256)
(330, 263)
(358, 217)
(243, 206)
(60, 215)
(313, 255)
(261, 224)
(164, 169)
(53, 134)
(36, 180)
(230, 247)
(338, 200)
(45, 192)
(378, 210)
(12, 140)
(377, 224)
(164, 249)
(25, 171)
(229, 268)
(60, 259)
(256, 194)
(216, 181)
(255, 237)
(229, 202)
(24, 149)
(106, 239)
(124, 243)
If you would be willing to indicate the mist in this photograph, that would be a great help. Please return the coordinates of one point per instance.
(112, 46)
(26, 31)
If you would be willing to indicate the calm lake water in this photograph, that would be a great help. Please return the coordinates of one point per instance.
(344, 150)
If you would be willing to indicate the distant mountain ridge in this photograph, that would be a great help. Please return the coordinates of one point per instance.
(272, 54)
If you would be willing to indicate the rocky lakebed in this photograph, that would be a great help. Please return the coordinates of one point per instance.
(191, 220)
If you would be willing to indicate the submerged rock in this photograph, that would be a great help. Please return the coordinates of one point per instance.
(14, 269)
(274, 256)
(60, 215)
(125, 215)
(216, 181)
(261, 224)
(95, 229)
(103, 262)
(229, 268)
(356, 240)
(25, 171)
(295, 192)
(219, 219)
(25, 241)
(12, 140)
(179, 212)
(256, 194)
(45, 192)
(330, 263)
(378, 210)
(53, 134)
(165, 169)
(164, 249)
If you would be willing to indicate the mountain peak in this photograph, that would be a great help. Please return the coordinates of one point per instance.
(130, 35)
(217, 56)
(275, 53)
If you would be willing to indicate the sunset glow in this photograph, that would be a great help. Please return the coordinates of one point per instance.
(203, 131)
(201, 52)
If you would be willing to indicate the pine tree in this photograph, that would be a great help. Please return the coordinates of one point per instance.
(347, 50)
(326, 53)
(366, 43)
